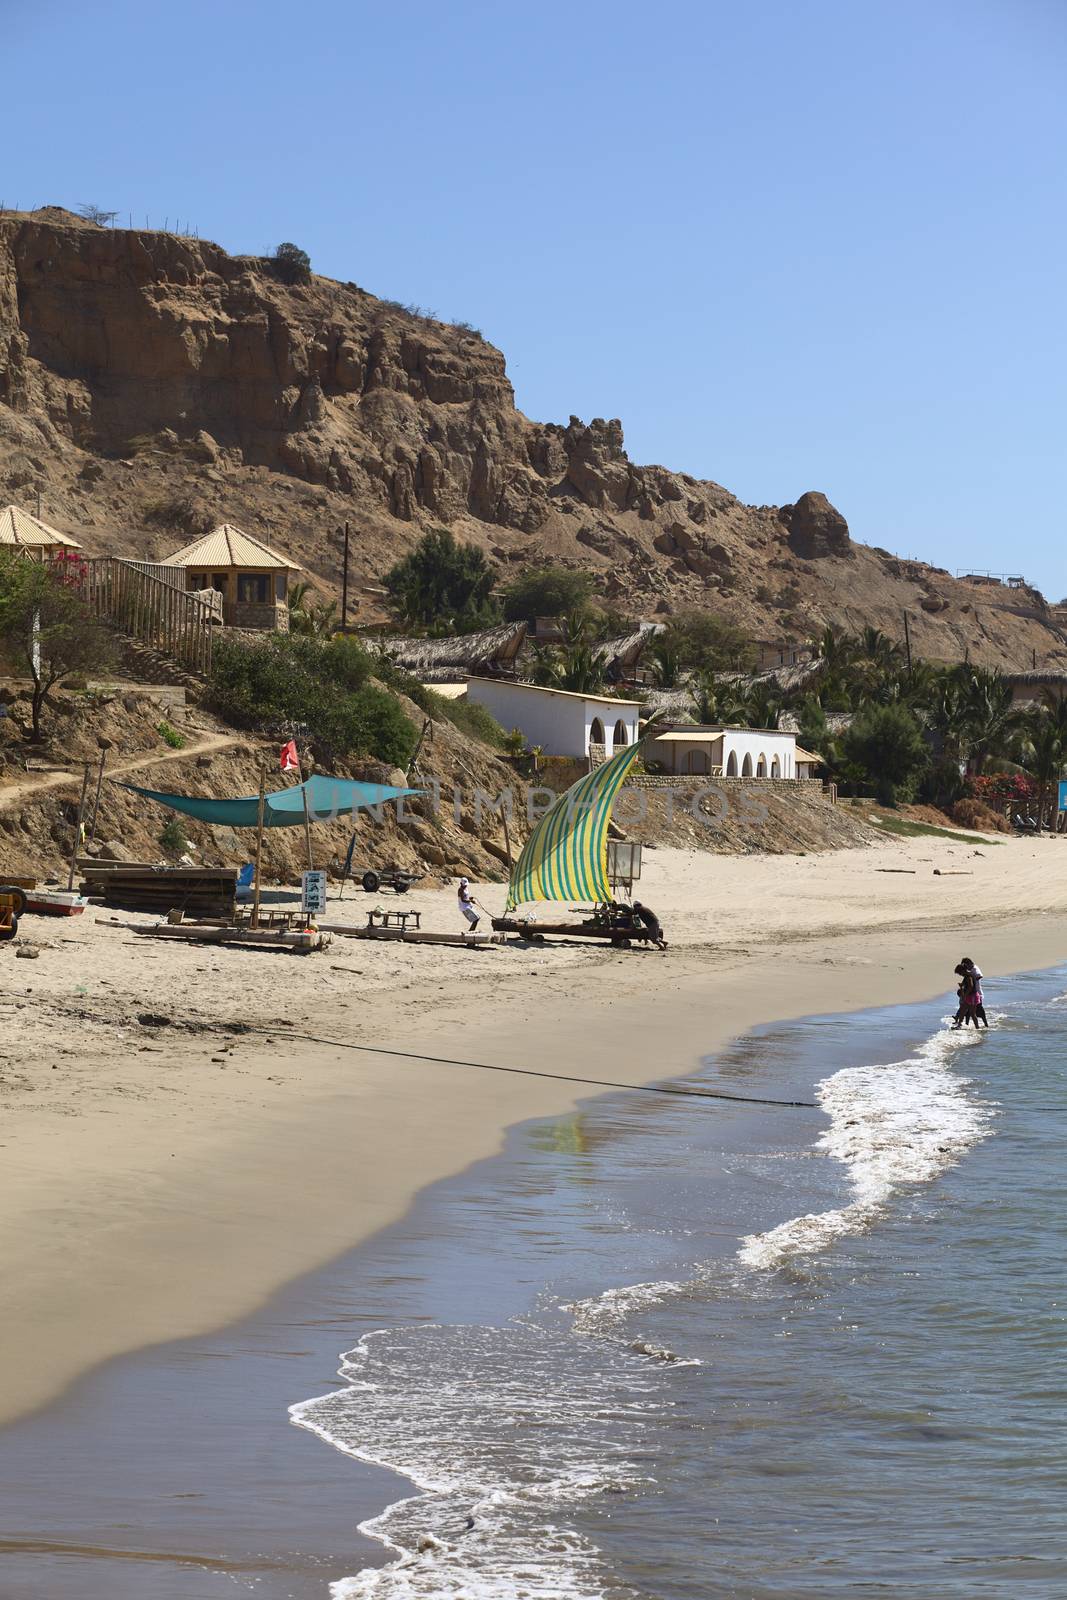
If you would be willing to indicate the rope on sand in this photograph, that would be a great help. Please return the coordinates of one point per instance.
(532, 1072)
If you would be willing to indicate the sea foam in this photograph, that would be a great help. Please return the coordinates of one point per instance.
(892, 1126)
(501, 1439)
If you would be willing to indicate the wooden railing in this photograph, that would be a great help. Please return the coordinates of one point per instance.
(147, 608)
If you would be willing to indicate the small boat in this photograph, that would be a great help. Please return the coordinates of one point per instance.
(55, 902)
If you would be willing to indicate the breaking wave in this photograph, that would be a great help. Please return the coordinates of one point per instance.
(501, 1436)
(891, 1126)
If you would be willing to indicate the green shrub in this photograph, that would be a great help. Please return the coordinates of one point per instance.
(546, 592)
(292, 264)
(471, 719)
(170, 736)
(172, 838)
(443, 585)
(323, 684)
(887, 745)
(704, 640)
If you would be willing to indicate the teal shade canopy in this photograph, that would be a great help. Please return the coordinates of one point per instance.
(327, 799)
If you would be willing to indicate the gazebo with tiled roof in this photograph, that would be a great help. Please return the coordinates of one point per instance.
(20, 531)
(252, 578)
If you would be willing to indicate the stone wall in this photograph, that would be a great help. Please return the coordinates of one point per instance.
(271, 617)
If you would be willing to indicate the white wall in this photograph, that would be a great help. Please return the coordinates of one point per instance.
(754, 743)
(674, 754)
(559, 723)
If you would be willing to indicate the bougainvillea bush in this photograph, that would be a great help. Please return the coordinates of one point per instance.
(1002, 789)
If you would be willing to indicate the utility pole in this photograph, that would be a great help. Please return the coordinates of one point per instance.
(344, 585)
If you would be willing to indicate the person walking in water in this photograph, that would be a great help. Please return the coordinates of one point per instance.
(468, 905)
(971, 1007)
(977, 999)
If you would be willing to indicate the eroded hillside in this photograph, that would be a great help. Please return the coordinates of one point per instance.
(151, 385)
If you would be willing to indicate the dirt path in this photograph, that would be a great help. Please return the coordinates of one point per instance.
(57, 780)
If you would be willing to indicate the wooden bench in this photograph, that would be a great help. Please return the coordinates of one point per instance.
(393, 919)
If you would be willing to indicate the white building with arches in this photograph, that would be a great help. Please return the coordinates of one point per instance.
(725, 752)
(559, 722)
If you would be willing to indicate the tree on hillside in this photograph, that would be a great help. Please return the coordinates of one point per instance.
(887, 745)
(443, 585)
(292, 264)
(546, 592)
(46, 631)
(702, 641)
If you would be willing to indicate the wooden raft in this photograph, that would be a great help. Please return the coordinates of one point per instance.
(301, 942)
(131, 886)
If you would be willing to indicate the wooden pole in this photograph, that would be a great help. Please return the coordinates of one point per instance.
(346, 869)
(907, 640)
(307, 830)
(344, 585)
(99, 786)
(507, 841)
(259, 841)
(78, 828)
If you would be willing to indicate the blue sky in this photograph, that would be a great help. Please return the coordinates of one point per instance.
(794, 244)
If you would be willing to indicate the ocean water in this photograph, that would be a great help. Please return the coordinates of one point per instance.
(653, 1350)
(685, 1349)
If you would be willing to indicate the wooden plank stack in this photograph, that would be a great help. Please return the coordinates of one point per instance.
(133, 886)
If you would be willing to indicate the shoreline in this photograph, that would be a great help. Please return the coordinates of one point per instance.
(162, 1215)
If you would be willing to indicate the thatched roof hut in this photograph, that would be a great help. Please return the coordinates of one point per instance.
(490, 653)
(622, 656)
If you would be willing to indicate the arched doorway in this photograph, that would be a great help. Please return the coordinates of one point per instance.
(596, 732)
(776, 768)
(731, 765)
(619, 736)
(746, 767)
(761, 767)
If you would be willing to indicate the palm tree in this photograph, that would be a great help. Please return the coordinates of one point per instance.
(947, 716)
(705, 702)
(875, 647)
(666, 665)
(992, 719)
(324, 620)
(299, 610)
(1042, 749)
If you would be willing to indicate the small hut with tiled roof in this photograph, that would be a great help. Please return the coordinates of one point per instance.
(252, 579)
(20, 531)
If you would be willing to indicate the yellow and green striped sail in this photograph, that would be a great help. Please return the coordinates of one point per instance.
(566, 855)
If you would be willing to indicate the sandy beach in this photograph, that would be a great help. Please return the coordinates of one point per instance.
(163, 1176)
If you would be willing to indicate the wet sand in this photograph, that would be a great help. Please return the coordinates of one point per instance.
(156, 1184)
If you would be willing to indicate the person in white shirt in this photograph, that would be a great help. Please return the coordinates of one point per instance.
(468, 905)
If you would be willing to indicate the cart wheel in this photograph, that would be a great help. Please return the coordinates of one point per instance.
(401, 888)
(18, 899)
(9, 930)
(371, 882)
(621, 944)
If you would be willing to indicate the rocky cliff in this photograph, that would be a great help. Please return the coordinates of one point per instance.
(151, 385)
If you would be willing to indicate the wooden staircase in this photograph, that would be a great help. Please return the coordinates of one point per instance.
(165, 631)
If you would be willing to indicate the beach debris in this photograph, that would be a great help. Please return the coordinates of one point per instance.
(152, 1019)
(27, 952)
(642, 1347)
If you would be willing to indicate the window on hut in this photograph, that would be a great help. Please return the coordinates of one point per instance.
(253, 588)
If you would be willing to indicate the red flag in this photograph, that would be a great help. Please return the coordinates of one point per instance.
(290, 759)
